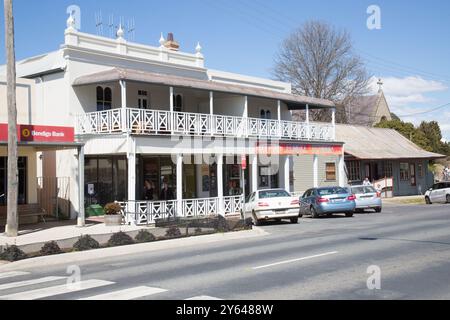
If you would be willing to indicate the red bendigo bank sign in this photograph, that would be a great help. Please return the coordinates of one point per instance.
(34, 133)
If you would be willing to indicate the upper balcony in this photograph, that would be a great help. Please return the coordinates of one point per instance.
(160, 122)
(192, 106)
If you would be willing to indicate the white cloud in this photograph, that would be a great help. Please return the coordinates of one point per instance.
(408, 86)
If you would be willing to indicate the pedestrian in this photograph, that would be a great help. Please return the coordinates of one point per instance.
(149, 190)
(367, 182)
(166, 192)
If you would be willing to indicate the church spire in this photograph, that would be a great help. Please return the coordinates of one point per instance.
(380, 85)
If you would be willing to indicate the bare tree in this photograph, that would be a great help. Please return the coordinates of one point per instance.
(12, 222)
(319, 61)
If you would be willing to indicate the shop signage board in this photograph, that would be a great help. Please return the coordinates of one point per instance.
(38, 133)
(298, 149)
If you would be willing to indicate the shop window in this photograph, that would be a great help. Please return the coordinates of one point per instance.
(388, 170)
(104, 98)
(404, 171)
(354, 170)
(420, 171)
(330, 171)
(105, 179)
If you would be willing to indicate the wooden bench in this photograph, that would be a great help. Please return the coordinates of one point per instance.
(28, 214)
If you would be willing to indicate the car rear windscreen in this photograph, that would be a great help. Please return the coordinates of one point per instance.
(273, 194)
(362, 190)
(330, 191)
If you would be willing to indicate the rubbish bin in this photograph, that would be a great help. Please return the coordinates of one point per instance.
(94, 210)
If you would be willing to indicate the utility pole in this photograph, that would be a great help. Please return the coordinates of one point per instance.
(12, 222)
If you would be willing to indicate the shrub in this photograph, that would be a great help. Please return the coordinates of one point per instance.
(86, 243)
(222, 224)
(173, 232)
(50, 248)
(120, 239)
(12, 253)
(112, 209)
(144, 236)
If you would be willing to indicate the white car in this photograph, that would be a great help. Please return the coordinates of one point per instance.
(272, 204)
(440, 192)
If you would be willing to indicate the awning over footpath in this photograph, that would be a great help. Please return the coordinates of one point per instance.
(116, 74)
(376, 143)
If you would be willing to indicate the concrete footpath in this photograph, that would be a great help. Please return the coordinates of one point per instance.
(91, 255)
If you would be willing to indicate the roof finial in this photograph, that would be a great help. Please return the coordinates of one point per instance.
(71, 22)
(162, 40)
(120, 32)
(380, 85)
(198, 48)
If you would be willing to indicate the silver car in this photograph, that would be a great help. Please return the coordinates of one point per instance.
(367, 197)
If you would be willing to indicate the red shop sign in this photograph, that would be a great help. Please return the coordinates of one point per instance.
(36, 133)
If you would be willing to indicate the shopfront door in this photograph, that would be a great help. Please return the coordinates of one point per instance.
(22, 167)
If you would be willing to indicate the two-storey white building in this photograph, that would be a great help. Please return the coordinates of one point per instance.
(159, 132)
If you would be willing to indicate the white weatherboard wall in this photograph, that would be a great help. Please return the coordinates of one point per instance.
(303, 172)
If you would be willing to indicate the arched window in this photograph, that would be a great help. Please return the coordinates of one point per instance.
(268, 114)
(263, 114)
(104, 98)
(178, 103)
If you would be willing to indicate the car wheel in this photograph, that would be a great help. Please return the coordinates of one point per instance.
(314, 213)
(294, 220)
(378, 210)
(256, 222)
(427, 200)
(448, 198)
(349, 214)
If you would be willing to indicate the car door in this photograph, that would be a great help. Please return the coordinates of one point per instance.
(304, 206)
(435, 193)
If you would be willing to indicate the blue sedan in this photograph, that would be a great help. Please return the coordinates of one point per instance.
(327, 201)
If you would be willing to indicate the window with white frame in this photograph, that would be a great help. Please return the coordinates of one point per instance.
(143, 99)
(178, 102)
(104, 98)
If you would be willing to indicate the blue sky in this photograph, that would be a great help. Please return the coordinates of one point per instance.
(410, 52)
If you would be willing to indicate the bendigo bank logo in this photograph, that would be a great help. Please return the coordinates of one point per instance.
(26, 133)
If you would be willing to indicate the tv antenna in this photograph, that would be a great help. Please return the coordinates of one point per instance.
(99, 23)
(111, 26)
(131, 29)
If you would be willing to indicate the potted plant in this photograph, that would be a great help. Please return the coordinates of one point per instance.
(113, 214)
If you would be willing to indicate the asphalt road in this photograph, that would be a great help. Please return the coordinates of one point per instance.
(325, 258)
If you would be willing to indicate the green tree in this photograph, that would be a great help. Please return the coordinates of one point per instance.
(428, 135)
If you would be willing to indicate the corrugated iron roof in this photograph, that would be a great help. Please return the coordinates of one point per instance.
(378, 143)
(116, 74)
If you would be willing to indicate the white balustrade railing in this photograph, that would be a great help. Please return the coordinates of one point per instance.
(147, 212)
(158, 122)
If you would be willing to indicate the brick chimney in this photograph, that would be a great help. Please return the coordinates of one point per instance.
(171, 44)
